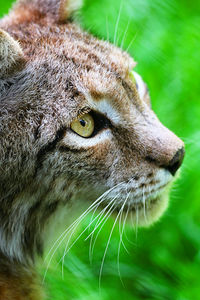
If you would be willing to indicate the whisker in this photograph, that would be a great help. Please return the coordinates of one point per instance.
(74, 225)
(144, 204)
(131, 42)
(83, 215)
(63, 236)
(107, 30)
(132, 221)
(136, 223)
(67, 250)
(101, 268)
(121, 239)
(124, 35)
(90, 247)
(125, 218)
(101, 229)
(126, 237)
(93, 214)
(120, 219)
(117, 23)
(97, 225)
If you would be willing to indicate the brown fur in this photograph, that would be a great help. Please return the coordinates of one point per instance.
(52, 72)
(17, 282)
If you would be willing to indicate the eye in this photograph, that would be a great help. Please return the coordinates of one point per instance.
(83, 125)
(89, 124)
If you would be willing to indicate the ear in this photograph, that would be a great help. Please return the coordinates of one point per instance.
(58, 11)
(68, 7)
(11, 55)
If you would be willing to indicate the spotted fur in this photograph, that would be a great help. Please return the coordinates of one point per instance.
(51, 71)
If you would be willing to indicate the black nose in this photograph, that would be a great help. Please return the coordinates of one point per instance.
(176, 161)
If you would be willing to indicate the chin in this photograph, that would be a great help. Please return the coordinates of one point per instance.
(143, 212)
(146, 215)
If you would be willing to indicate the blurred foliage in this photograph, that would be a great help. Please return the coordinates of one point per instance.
(163, 261)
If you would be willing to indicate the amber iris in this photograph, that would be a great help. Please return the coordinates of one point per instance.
(83, 125)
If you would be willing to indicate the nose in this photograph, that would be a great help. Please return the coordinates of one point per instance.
(175, 163)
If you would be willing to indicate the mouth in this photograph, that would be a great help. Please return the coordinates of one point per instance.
(142, 209)
(145, 199)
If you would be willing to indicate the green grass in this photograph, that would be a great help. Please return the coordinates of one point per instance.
(164, 261)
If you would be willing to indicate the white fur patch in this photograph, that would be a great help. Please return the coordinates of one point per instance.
(141, 85)
(104, 106)
(78, 142)
(163, 176)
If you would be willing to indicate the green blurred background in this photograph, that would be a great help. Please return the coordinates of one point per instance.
(163, 261)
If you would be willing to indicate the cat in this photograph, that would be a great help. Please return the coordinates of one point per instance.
(77, 133)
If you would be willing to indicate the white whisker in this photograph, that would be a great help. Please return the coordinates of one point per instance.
(83, 215)
(110, 213)
(107, 29)
(144, 205)
(97, 225)
(62, 237)
(117, 23)
(121, 239)
(131, 42)
(124, 35)
(109, 238)
(136, 221)
(68, 249)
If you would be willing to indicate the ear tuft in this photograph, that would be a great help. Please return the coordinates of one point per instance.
(11, 55)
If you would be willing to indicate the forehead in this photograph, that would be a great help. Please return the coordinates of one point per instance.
(69, 43)
(101, 70)
(92, 52)
(94, 67)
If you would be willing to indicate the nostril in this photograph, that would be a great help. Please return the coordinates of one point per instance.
(176, 161)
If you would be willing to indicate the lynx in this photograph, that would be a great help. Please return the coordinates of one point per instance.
(77, 133)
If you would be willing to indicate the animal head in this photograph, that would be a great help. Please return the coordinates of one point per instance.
(76, 123)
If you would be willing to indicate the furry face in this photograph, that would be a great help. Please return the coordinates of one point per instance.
(55, 77)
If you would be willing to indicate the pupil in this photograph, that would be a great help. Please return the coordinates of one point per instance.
(82, 122)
